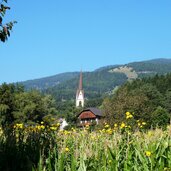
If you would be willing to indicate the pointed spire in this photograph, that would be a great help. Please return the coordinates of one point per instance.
(80, 92)
(81, 81)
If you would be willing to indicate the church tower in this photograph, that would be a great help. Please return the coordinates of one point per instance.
(80, 93)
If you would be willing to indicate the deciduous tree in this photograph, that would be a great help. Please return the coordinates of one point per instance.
(5, 28)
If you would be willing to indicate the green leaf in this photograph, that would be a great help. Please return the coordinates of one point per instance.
(61, 162)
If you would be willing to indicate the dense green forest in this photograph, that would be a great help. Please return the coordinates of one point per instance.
(149, 99)
(95, 84)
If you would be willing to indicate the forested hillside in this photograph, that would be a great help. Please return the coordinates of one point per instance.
(95, 84)
(99, 82)
(152, 67)
(44, 83)
(149, 99)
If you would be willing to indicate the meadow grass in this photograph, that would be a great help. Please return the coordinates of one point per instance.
(44, 148)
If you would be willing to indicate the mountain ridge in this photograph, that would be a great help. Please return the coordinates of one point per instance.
(99, 81)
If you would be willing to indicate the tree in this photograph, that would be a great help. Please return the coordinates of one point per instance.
(26, 107)
(124, 101)
(5, 28)
(32, 106)
(95, 102)
(6, 103)
(141, 98)
(160, 117)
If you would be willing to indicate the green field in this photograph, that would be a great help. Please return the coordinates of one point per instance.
(115, 148)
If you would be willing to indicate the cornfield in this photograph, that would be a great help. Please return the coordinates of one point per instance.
(44, 148)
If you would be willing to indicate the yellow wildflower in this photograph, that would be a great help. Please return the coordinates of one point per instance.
(42, 127)
(58, 124)
(66, 149)
(19, 126)
(128, 113)
(103, 130)
(66, 132)
(115, 125)
(109, 131)
(139, 124)
(143, 123)
(107, 126)
(148, 153)
(122, 125)
(53, 128)
(129, 116)
(38, 127)
(73, 129)
(110, 161)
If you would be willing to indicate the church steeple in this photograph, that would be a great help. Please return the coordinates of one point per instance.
(81, 81)
(80, 93)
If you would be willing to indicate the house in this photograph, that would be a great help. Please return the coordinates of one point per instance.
(89, 116)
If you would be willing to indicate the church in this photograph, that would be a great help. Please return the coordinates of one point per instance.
(80, 93)
(87, 116)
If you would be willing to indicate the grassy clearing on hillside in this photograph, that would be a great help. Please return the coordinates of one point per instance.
(128, 71)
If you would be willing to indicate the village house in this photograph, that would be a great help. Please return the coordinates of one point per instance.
(89, 116)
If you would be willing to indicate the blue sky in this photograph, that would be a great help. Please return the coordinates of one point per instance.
(66, 35)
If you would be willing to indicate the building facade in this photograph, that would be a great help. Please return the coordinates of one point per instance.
(89, 116)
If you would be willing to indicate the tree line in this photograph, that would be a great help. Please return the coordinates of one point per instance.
(148, 99)
(19, 106)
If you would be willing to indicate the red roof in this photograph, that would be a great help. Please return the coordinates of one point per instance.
(96, 112)
(87, 115)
